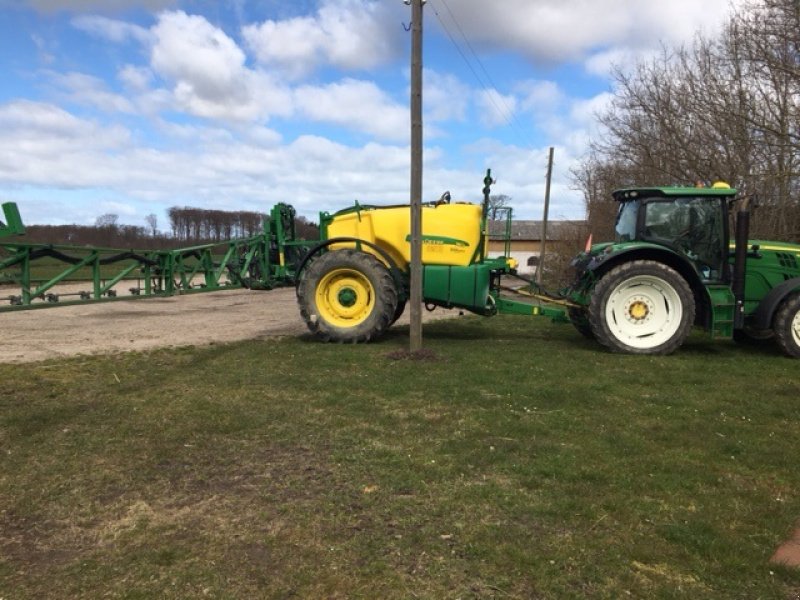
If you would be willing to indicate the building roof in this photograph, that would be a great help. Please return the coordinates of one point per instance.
(532, 230)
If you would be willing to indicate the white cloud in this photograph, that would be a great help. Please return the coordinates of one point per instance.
(43, 144)
(445, 97)
(40, 120)
(348, 34)
(554, 30)
(584, 111)
(495, 108)
(91, 91)
(601, 63)
(290, 45)
(135, 78)
(358, 105)
(231, 158)
(111, 29)
(521, 174)
(540, 95)
(247, 168)
(208, 73)
(116, 208)
(188, 47)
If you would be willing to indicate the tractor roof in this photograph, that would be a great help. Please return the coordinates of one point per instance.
(716, 191)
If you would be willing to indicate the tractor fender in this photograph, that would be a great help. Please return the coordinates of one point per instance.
(762, 318)
(394, 270)
(604, 262)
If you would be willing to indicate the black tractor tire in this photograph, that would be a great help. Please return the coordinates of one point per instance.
(642, 307)
(398, 312)
(580, 320)
(787, 325)
(347, 296)
(753, 337)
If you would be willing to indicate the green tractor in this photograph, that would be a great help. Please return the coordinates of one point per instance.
(672, 266)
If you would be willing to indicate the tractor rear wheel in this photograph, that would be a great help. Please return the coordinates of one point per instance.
(347, 296)
(642, 307)
(787, 326)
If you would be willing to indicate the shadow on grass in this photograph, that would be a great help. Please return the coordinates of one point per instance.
(700, 344)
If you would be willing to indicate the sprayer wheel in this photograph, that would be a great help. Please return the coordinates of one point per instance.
(398, 312)
(347, 296)
(580, 320)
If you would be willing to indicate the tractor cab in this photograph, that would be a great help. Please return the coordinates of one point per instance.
(692, 222)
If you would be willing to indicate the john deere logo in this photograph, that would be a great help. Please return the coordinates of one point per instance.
(440, 240)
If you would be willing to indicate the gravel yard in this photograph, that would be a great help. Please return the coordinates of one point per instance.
(192, 319)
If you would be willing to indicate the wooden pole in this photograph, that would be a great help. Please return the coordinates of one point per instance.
(543, 245)
(415, 291)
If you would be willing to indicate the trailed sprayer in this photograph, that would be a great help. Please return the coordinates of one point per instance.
(673, 265)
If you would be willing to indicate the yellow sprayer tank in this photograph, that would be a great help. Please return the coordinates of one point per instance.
(451, 233)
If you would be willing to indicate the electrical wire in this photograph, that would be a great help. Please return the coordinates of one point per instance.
(492, 92)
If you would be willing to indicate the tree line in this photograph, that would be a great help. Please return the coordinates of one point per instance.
(188, 226)
(723, 108)
(192, 224)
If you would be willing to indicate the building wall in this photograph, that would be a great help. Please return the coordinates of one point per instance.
(522, 251)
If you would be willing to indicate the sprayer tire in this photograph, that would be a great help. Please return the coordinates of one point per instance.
(398, 312)
(642, 307)
(347, 296)
(580, 320)
(787, 326)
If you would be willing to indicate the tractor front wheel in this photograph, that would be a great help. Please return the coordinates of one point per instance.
(347, 296)
(642, 307)
(787, 326)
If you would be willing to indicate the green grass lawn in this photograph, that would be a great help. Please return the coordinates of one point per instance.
(519, 460)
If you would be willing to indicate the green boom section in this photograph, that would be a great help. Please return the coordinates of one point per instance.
(11, 223)
(36, 275)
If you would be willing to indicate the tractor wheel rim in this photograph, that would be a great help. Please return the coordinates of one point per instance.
(644, 312)
(345, 297)
(796, 328)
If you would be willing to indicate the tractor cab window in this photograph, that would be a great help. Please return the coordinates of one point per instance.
(625, 228)
(692, 226)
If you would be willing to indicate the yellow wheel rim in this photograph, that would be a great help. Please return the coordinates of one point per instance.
(345, 297)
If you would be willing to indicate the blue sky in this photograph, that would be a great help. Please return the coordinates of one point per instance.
(132, 106)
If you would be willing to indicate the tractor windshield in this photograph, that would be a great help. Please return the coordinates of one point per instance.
(691, 225)
(625, 228)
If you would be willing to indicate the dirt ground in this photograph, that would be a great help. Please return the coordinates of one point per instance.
(193, 319)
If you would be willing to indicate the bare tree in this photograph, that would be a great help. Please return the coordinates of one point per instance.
(152, 224)
(723, 108)
(108, 220)
(497, 204)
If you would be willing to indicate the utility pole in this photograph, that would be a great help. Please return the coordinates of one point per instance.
(543, 245)
(415, 292)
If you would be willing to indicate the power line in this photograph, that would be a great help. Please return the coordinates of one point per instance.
(505, 111)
